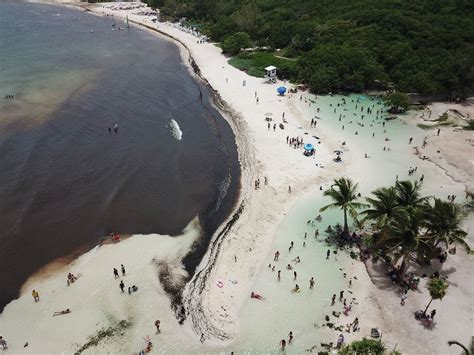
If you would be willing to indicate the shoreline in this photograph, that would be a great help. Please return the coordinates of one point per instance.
(251, 220)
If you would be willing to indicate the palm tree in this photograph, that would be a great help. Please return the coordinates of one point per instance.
(438, 288)
(404, 238)
(466, 351)
(408, 194)
(344, 194)
(442, 223)
(384, 207)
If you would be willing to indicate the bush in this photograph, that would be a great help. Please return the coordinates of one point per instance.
(363, 347)
(235, 42)
(398, 101)
(470, 125)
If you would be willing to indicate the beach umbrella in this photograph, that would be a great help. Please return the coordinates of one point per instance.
(281, 90)
(308, 146)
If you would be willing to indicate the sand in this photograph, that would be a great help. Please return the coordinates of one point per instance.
(240, 249)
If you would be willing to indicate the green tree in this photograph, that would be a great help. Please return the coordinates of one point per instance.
(235, 42)
(408, 194)
(344, 194)
(398, 101)
(443, 221)
(384, 207)
(466, 351)
(404, 239)
(437, 288)
(418, 46)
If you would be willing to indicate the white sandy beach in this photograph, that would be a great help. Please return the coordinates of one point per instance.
(238, 256)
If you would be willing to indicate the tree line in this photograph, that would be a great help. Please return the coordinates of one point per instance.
(417, 46)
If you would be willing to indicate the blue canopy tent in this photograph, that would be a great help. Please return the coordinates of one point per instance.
(281, 90)
(309, 150)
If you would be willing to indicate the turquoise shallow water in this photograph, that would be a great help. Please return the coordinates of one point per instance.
(264, 324)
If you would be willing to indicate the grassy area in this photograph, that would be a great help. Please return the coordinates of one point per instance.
(254, 63)
(444, 117)
(470, 125)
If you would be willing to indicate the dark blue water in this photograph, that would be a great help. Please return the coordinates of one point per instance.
(65, 180)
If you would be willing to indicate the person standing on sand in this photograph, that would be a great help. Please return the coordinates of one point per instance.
(277, 255)
(35, 295)
(439, 130)
(328, 253)
(121, 285)
(294, 275)
(283, 344)
(279, 275)
(355, 324)
(3, 343)
(116, 274)
(290, 337)
(311, 283)
(157, 325)
(341, 295)
(289, 189)
(333, 300)
(123, 269)
(340, 341)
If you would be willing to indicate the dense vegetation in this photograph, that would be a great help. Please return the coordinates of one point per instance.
(406, 227)
(423, 46)
(365, 347)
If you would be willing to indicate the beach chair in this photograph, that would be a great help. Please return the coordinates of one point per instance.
(374, 333)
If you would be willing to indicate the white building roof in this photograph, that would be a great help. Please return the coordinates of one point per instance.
(270, 68)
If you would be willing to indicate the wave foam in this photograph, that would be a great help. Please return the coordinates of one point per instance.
(175, 130)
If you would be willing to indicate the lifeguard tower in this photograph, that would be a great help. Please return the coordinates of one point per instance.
(271, 74)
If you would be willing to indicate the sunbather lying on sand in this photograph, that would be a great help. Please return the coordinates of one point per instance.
(60, 313)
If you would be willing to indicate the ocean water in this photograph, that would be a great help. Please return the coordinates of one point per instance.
(66, 181)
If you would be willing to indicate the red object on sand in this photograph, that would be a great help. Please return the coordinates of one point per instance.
(116, 238)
